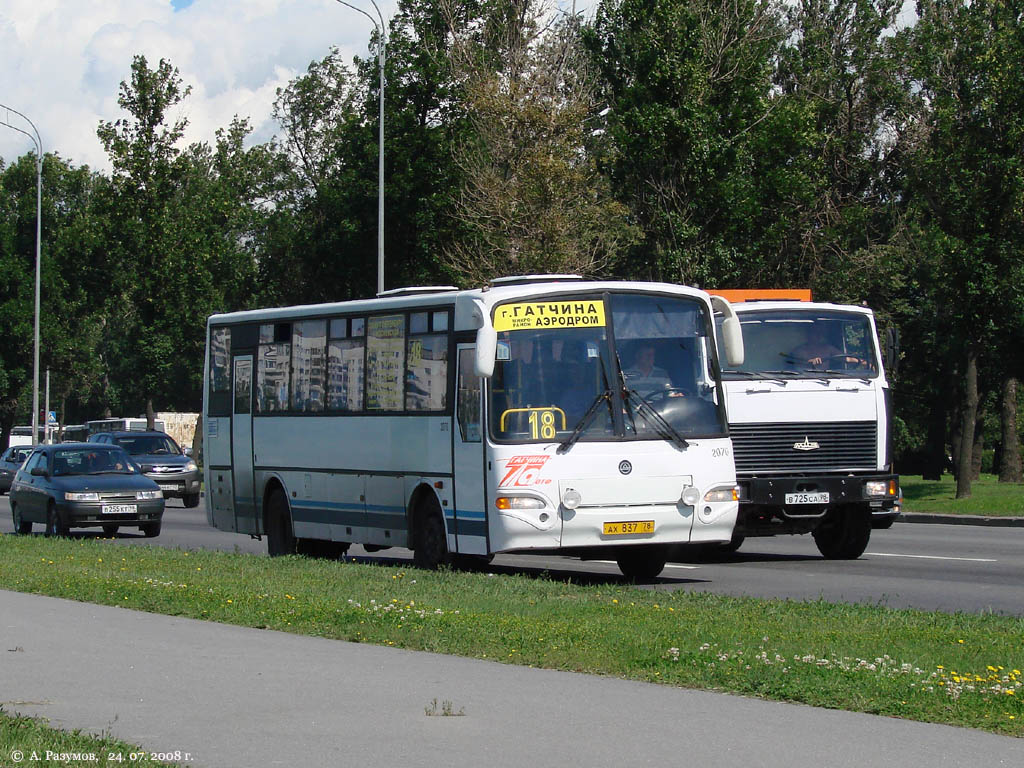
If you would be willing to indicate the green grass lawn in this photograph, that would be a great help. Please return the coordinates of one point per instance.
(988, 497)
(958, 669)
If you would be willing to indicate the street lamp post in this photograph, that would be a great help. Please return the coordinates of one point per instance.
(382, 31)
(39, 239)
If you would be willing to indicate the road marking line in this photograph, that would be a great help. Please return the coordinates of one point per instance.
(935, 557)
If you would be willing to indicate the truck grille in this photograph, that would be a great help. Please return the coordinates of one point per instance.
(769, 448)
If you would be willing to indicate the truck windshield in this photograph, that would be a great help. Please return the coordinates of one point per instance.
(557, 376)
(805, 344)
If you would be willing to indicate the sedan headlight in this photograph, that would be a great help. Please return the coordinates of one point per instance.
(157, 494)
(83, 496)
(191, 467)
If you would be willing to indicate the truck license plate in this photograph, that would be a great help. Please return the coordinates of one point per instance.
(807, 498)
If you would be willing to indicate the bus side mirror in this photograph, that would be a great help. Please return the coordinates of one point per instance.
(486, 345)
(732, 335)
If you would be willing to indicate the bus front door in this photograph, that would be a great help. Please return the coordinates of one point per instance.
(470, 514)
(241, 446)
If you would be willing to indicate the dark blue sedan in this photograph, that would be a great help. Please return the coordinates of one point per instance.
(80, 485)
(10, 463)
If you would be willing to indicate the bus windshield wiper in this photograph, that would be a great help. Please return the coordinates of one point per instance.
(661, 426)
(583, 423)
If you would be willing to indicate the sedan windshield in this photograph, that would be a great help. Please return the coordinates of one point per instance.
(558, 378)
(149, 445)
(804, 344)
(91, 461)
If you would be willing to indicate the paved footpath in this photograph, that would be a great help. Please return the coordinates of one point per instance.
(233, 696)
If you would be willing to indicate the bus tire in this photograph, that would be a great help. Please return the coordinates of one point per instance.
(21, 527)
(844, 533)
(642, 562)
(280, 536)
(733, 545)
(431, 550)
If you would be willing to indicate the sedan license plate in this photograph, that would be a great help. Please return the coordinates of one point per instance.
(624, 529)
(807, 498)
(120, 509)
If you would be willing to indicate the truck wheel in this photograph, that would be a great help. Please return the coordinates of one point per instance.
(20, 526)
(642, 562)
(844, 533)
(280, 536)
(431, 550)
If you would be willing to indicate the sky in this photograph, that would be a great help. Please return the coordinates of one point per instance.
(63, 62)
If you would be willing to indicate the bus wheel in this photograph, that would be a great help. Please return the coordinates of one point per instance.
(844, 533)
(642, 562)
(431, 549)
(732, 545)
(20, 526)
(280, 537)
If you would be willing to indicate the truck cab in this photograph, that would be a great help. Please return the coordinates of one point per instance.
(810, 414)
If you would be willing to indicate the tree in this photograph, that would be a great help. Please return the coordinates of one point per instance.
(689, 85)
(966, 177)
(178, 231)
(532, 199)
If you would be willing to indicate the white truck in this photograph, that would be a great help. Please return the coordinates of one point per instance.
(810, 414)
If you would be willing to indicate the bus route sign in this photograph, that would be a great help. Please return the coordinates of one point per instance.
(537, 315)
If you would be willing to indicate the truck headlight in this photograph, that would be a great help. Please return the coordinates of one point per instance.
(880, 488)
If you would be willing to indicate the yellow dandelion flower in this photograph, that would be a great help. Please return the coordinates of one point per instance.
(615, 601)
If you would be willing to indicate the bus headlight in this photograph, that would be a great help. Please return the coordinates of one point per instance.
(730, 493)
(519, 502)
(690, 496)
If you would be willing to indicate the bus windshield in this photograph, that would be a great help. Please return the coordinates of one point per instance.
(628, 365)
(806, 344)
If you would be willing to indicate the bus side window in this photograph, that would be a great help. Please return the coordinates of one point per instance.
(468, 398)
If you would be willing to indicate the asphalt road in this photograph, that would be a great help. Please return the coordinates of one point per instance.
(931, 567)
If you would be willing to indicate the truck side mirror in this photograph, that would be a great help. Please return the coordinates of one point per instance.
(892, 350)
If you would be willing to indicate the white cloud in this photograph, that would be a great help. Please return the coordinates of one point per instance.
(63, 61)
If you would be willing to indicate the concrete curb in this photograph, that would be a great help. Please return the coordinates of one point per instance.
(924, 517)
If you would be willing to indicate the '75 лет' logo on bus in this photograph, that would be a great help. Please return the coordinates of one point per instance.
(524, 470)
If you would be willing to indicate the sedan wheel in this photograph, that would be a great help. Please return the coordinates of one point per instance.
(20, 526)
(54, 525)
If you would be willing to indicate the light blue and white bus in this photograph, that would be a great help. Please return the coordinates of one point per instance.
(537, 414)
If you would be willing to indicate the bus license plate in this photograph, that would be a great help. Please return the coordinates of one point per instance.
(120, 509)
(807, 498)
(624, 529)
